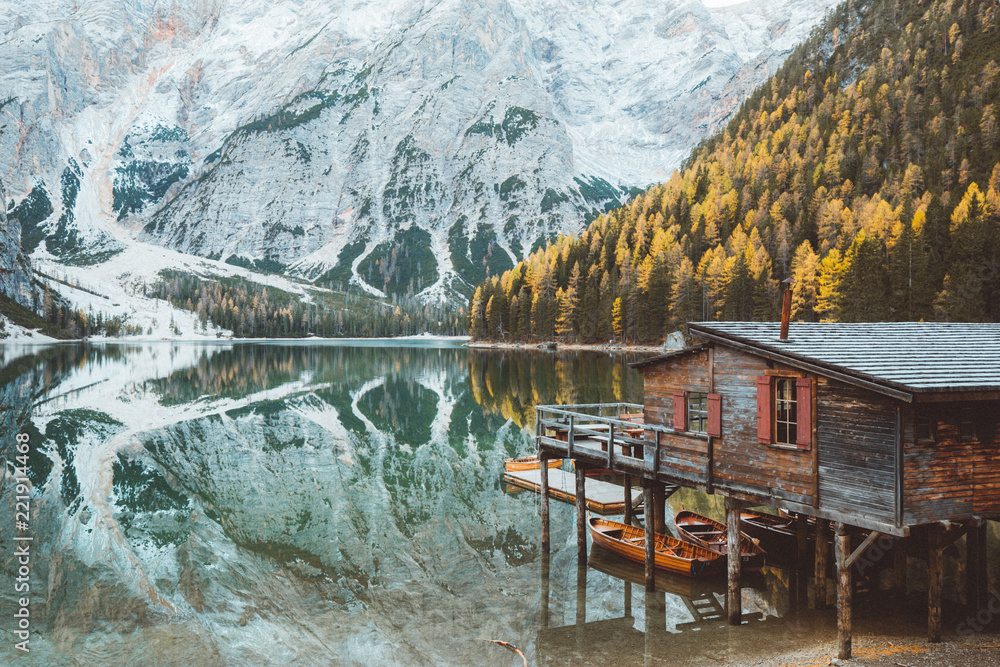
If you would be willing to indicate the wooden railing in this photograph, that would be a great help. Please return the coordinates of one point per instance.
(560, 429)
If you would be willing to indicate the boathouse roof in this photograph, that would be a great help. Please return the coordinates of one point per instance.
(895, 358)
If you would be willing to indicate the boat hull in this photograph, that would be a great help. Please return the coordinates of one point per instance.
(528, 463)
(670, 554)
(712, 534)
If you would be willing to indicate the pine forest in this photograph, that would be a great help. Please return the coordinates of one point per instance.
(867, 170)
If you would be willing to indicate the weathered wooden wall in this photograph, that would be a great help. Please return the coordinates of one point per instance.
(948, 478)
(686, 455)
(741, 462)
(857, 435)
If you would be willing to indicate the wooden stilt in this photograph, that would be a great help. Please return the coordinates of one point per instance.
(935, 577)
(545, 590)
(650, 538)
(581, 596)
(820, 563)
(581, 514)
(660, 503)
(628, 599)
(801, 532)
(844, 592)
(734, 595)
(544, 470)
(975, 553)
(628, 499)
(899, 567)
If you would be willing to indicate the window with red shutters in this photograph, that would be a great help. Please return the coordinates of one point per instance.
(715, 415)
(784, 411)
(680, 411)
(764, 409)
(803, 397)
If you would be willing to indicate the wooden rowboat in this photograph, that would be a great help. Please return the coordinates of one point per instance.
(712, 534)
(776, 534)
(528, 463)
(670, 554)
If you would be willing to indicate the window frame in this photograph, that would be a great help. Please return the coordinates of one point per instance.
(802, 395)
(697, 415)
(790, 424)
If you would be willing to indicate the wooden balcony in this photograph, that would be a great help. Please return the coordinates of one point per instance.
(608, 435)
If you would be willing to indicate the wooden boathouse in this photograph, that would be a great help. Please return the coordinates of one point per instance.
(893, 428)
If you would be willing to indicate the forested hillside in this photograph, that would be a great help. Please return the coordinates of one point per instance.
(867, 168)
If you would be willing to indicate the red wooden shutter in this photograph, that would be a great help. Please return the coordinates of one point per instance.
(803, 408)
(715, 415)
(680, 411)
(764, 409)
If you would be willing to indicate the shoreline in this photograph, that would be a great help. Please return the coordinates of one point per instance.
(616, 348)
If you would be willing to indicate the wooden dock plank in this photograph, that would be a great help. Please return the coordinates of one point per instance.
(602, 497)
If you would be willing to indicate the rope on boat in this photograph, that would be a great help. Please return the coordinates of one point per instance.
(509, 647)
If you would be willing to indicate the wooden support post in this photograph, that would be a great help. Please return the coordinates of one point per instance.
(647, 492)
(581, 514)
(844, 592)
(820, 563)
(545, 590)
(660, 506)
(935, 576)
(976, 578)
(628, 599)
(581, 596)
(544, 470)
(734, 595)
(801, 532)
(628, 499)
(899, 567)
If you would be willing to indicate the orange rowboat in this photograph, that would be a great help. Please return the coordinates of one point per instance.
(670, 554)
(528, 463)
(712, 534)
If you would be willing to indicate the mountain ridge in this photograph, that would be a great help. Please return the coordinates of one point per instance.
(178, 124)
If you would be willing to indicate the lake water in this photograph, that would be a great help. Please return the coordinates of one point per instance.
(283, 503)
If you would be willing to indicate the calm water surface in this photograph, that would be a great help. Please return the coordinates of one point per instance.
(272, 504)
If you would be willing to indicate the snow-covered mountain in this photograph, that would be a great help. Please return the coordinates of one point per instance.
(401, 146)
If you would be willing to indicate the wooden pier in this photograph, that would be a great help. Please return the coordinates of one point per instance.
(890, 428)
(601, 497)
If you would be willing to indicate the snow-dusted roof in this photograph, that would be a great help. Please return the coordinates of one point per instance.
(914, 357)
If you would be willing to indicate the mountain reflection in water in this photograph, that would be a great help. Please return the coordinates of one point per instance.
(304, 503)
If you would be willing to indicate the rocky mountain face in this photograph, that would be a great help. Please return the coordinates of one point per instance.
(405, 148)
(15, 269)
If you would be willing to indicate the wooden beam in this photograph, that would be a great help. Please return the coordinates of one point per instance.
(844, 592)
(709, 464)
(544, 482)
(815, 442)
(874, 535)
(898, 473)
(659, 506)
(935, 576)
(734, 592)
(628, 499)
(581, 515)
(976, 588)
(859, 520)
(820, 562)
(899, 567)
(650, 536)
(581, 596)
(545, 589)
(802, 540)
